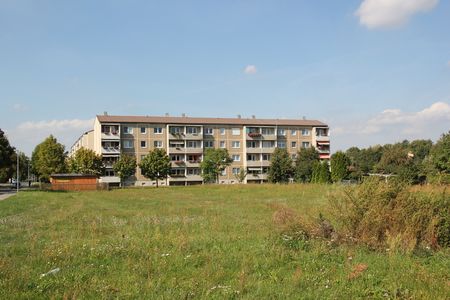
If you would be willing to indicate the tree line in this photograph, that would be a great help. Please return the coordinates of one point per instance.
(417, 161)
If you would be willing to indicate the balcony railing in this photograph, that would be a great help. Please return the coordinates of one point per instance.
(109, 150)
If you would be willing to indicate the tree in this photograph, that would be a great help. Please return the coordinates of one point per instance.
(48, 157)
(214, 162)
(125, 167)
(24, 162)
(155, 165)
(395, 160)
(304, 164)
(6, 158)
(321, 173)
(339, 166)
(241, 175)
(439, 160)
(281, 168)
(86, 161)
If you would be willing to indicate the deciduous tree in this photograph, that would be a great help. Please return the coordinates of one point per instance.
(48, 157)
(214, 162)
(281, 168)
(86, 161)
(125, 167)
(339, 166)
(304, 164)
(155, 165)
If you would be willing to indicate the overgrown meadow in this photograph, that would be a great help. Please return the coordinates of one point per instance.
(198, 242)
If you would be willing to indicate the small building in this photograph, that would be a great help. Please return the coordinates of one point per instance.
(74, 182)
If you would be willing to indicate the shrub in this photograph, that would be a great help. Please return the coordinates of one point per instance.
(391, 215)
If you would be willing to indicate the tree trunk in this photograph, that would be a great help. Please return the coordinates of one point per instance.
(156, 182)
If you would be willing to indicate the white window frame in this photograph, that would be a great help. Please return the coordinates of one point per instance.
(293, 144)
(305, 132)
(223, 144)
(157, 130)
(235, 131)
(279, 143)
(234, 156)
(306, 145)
(208, 144)
(236, 171)
(293, 132)
(128, 130)
(209, 131)
(145, 144)
(127, 144)
(158, 144)
(236, 144)
(222, 131)
(281, 131)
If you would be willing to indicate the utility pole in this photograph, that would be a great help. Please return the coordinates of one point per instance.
(17, 172)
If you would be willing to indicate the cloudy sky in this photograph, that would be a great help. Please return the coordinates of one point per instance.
(377, 71)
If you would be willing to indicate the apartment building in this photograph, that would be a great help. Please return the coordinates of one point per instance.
(249, 141)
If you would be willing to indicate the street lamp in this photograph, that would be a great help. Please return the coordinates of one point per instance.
(17, 172)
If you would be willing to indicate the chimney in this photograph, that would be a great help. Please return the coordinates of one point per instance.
(167, 114)
(183, 115)
(238, 116)
(253, 117)
(304, 117)
(105, 113)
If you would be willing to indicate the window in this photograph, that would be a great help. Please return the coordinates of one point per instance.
(176, 157)
(224, 172)
(158, 144)
(305, 132)
(281, 131)
(267, 131)
(128, 130)
(236, 157)
(143, 144)
(222, 131)
(193, 171)
(127, 144)
(192, 130)
(294, 156)
(266, 156)
(293, 132)
(235, 131)
(143, 130)
(209, 131)
(305, 144)
(252, 144)
(236, 144)
(294, 144)
(157, 130)
(177, 172)
(236, 171)
(252, 157)
(209, 144)
(193, 144)
(222, 144)
(281, 144)
(268, 144)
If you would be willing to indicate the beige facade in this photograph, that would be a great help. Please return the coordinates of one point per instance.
(250, 142)
(86, 140)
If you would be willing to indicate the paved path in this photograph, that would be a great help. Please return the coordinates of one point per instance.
(5, 195)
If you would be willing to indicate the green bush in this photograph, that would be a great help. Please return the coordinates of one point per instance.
(392, 216)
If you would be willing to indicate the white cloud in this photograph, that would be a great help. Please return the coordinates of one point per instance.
(28, 134)
(250, 69)
(19, 107)
(391, 13)
(392, 125)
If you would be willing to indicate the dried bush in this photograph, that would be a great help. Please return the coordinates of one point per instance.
(391, 215)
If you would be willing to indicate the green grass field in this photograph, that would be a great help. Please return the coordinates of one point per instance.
(193, 242)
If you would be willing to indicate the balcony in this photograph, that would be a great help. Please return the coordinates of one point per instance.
(254, 150)
(177, 163)
(256, 176)
(322, 138)
(110, 150)
(193, 163)
(110, 136)
(176, 136)
(194, 177)
(193, 136)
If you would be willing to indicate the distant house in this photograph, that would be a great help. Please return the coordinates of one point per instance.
(74, 182)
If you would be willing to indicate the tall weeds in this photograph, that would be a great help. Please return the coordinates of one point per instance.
(392, 216)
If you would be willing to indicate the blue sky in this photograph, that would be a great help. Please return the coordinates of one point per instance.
(375, 73)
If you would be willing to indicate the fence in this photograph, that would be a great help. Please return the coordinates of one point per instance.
(75, 186)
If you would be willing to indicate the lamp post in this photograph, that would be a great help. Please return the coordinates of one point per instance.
(17, 172)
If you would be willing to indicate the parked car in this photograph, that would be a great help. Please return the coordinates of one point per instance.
(14, 183)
